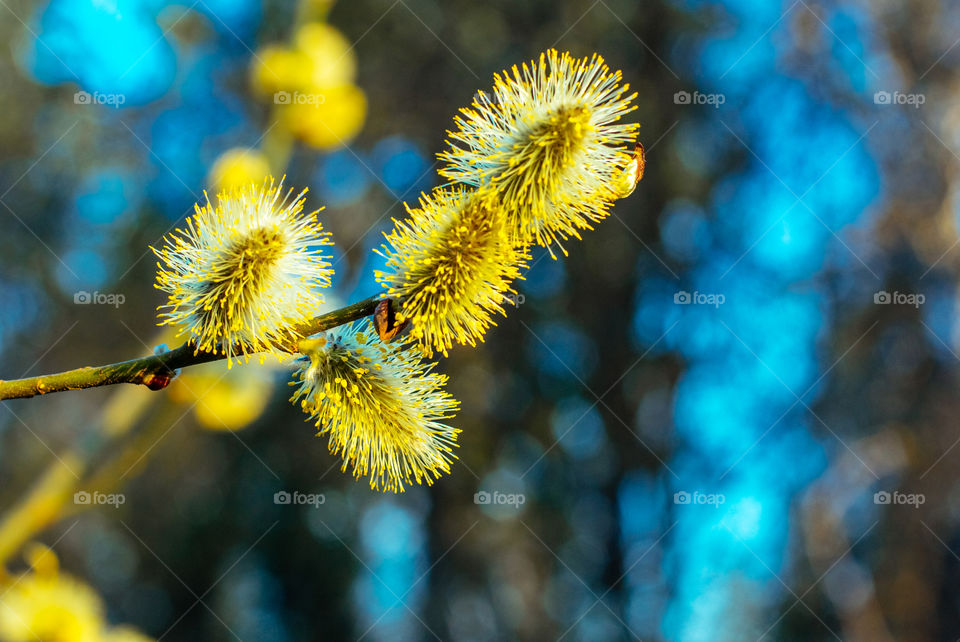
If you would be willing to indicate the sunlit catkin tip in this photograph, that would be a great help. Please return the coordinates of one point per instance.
(549, 143)
(450, 267)
(380, 405)
(241, 275)
(627, 180)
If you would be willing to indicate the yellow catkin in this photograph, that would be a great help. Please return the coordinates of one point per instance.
(548, 143)
(450, 266)
(240, 276)
(380, 405)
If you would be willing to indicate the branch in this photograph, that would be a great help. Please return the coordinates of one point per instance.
(156, 371)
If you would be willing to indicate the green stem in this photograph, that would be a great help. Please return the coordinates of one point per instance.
(156, 371)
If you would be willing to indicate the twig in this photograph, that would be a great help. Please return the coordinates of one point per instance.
(156, 371)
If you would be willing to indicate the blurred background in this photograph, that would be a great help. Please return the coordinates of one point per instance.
(730, 414)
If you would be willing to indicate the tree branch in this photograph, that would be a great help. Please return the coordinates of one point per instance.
(156, 371)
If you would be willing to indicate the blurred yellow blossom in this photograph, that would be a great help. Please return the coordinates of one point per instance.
(278, 68)
(237, 168)
(225, 398)
(331, 120)
(311, 84)
(320, 57)
(45, 604)
(124, 634)
(332, 60)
